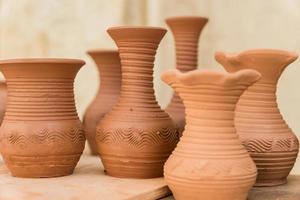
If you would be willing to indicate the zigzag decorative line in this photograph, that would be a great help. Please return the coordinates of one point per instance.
(135, 137)
(73, 135)
(271, 145)
(243, 167)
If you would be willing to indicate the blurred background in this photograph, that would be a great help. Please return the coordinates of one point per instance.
(68, 28)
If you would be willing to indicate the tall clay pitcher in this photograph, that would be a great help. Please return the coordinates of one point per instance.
(209, 161)
(186, 31)
(271, 143)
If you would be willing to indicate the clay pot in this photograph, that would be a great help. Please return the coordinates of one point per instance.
(136, 137)
(41, 134)
(209, 161)
(109, 66)
(264, 133)
(186, 31)
(3, 98)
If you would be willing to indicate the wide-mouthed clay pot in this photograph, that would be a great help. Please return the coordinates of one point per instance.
(186, 31)
(136, 137)
(41, 134)
(109, 66)
(258, 121)
(3, 98)
(210, 162)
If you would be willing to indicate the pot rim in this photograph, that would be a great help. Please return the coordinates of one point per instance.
(41, 61)
(136, 28)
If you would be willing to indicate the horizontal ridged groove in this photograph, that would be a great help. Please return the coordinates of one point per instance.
(257, 111)
(137, 93)
(40, 99)
(186, 50)
(279, 163)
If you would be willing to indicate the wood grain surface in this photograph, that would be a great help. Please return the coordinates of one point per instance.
(87, 182)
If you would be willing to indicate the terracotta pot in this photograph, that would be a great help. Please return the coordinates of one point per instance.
(3, 98)
(136, 137)
(267, 137)
(209, 161)
(109, 66)
(186, 31)
(41, 135)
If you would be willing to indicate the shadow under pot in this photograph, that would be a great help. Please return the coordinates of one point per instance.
(41, 134)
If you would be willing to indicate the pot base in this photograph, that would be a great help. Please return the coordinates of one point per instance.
(41, 166)
(270, 182)
(139, 169)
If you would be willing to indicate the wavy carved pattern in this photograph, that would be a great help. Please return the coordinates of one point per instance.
(271, 145)
(73, 135)
(138, 138)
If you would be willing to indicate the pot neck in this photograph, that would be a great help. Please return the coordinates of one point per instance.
(40, 91)
(186, 32)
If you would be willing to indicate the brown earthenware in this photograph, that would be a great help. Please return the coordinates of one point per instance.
(41, 134)
(209, 162)
(261, 128)
(3, 98)
(136, 137)
(186, 31)
(109, 66)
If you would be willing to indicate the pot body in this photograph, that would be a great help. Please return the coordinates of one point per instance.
(108, 62)
(269, 140)
(209, 161)
(186, 32)
(136, 137)
(41, 135)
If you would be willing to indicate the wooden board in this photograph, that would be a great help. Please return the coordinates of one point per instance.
(290, 191)
(87, 182)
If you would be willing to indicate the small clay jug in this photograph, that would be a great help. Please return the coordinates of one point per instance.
(3, 98)
(109, 66)
(186, 31)
(41, 134)
(136, 137)
(258, 121)
(210, 162)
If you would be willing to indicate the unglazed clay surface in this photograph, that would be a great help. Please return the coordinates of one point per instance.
(186, 32)
(209, 162)
(109, 66)
(261, 128)
(3, 98)
(41, 135)
(136, 137)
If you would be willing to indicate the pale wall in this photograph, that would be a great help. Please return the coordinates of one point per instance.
(67, 28)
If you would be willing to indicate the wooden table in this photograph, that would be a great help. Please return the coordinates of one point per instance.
(88, 182)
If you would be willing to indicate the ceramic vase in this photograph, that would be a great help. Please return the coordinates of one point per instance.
(41, 134)
(209, 161)
(261, 128)
(3, 98)
(136, 137)
(186, 32)
(109, 66)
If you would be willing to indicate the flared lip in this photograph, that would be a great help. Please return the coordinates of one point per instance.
(186, 17)
(42, 61)
(94, 51)
(135, 28)
(267, 51)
